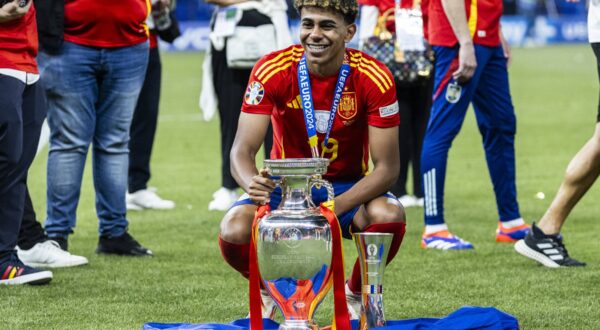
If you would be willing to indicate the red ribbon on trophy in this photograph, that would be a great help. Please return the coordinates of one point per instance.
(341, 320)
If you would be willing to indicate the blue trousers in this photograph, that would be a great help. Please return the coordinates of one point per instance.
(488, 91)
(22, 112)
(92, 93)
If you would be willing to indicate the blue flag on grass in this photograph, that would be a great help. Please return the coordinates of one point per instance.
(464, 318)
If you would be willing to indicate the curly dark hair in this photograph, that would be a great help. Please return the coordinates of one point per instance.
(348, 8)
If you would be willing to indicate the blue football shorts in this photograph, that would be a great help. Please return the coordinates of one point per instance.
(318, 196)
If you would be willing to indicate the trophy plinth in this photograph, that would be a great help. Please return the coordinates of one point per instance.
(373, 250)
(294, 243)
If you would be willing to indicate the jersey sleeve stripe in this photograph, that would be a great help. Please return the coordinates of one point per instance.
(473, 18)
(386, 82)
(275, 66)
(360, 58)
(283, 67)
(278, 60)
(275, 59)
(375, 80)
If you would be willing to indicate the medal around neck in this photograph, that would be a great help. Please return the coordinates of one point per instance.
(294, 242)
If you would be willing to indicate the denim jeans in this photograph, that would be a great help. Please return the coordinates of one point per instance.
(91, 94)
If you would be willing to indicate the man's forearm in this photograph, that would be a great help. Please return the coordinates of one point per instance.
(243, 169)
(457, 16)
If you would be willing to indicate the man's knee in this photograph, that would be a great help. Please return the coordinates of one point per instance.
(236, 226)
(386, 211)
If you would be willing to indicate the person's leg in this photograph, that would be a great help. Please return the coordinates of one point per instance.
(497, 124)
(31, 232)
(22, 113)
(420, 116)
(71, 89)
(581, 173)
(143, 125)
(450, 103)
(122, 78)
(230, 86)
(12, 192)
(404, 96)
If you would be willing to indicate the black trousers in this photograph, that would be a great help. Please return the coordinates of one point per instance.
(22, 112)
(143, 125)
(414, 103)
(31, 231)
(230, 86)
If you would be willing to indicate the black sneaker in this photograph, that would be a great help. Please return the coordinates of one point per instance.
(124, 245)
(14, 272)
(548, 250)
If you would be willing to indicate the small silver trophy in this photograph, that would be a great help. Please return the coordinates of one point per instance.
(373, 251)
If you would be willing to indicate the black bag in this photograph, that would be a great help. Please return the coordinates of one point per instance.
(408, 67)
(51, 24)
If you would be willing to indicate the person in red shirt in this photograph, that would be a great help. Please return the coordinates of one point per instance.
(471, 60)
(92, 83)
(22, 113)
(365, 124)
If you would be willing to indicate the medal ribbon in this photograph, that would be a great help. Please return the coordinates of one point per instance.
(308, 106)
(254, 282)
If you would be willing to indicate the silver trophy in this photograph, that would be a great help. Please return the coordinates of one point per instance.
(373, 249)
(294, 242)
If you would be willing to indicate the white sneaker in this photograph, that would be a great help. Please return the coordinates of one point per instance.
(49, 254)
(354, 302)
(223, 199)
(147, 199)
(269, 307)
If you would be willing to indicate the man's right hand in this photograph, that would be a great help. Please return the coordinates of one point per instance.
(11, 11)
(261, 187)
(467, 63)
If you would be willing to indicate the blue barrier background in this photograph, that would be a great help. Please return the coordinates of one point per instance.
(539, 23)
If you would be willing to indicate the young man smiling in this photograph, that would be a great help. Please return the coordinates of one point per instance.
(359, 93)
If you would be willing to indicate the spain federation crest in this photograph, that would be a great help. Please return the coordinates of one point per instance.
(453, 92)
(254, 93)
(347, 108)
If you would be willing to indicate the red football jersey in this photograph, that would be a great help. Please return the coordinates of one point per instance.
(19, 43)
(106, 23)
(369, 98)
(483, 18)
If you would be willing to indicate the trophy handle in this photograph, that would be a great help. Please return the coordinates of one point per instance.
(318, 182)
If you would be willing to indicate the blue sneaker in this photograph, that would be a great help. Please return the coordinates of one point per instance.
(511, 235)
(444, 240)
(13, 272)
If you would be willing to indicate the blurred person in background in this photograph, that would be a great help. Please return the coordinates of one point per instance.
(22, 112)
(229, 80)
(414, 100)
(92, 81)
(163, 25)
(544, 243)
(471, 59)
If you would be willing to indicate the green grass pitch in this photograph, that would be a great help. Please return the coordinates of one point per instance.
(555, 92)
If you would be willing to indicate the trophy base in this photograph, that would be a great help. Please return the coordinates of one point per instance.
(298, 325)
